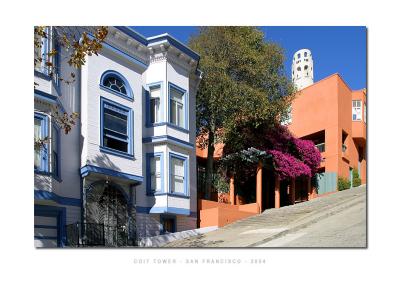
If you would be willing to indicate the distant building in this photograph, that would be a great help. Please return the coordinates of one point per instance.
(302, 69)
(334, 117)
(126, 172)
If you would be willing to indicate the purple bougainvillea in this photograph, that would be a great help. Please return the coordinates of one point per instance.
(291, 157)
(308, 153)
(287, 166)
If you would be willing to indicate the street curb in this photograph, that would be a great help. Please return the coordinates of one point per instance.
(332, 211)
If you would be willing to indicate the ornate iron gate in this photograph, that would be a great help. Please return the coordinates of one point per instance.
(106, 212)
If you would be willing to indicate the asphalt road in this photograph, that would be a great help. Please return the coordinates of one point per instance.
(336, 220)
(344, 229)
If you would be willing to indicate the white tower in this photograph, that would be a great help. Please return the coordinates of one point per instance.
(302, 69)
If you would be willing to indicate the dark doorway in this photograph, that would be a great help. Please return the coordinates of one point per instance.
(285, 198)
(106, 215)
(268, 189)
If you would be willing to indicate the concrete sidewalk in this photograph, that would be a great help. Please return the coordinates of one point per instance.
(274, 223)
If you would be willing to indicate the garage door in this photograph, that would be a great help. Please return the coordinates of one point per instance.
(46, 231)
(49, 223)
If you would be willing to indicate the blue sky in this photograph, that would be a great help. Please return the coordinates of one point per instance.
(334, 49)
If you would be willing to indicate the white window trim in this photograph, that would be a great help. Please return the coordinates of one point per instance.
(356, 110)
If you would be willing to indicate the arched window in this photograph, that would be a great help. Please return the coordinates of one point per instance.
(299, 68)
(114, 82)
(305, 67)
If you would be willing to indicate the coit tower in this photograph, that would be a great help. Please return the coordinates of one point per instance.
(302, 69)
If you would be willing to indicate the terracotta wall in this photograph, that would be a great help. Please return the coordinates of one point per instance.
(327, 106)
(220, 214)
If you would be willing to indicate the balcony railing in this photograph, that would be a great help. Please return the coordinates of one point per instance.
(320, 147)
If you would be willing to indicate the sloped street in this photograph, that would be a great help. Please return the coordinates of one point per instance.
(336, 220)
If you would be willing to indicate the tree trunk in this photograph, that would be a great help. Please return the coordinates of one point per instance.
(209, 165)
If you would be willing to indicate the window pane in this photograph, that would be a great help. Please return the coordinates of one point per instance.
(54, 147)
(115, 121)
(38, 135)
(173, 112)
(115, 143)
(177, 108)
(154, 110)
(54, 139)
(55, 163)
(155, 170)
(37, 158)
(177, 173)
(115, 84)
(115, 128)
(176, 95)
(177, 185)
(180, 118)
(38, 129)
(155, 92)
(177, 167)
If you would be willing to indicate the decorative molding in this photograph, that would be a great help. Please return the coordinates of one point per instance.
(46, 195)
(165, 210)
(88, 169)
(158, 57)
(168, 139)
(51, 100)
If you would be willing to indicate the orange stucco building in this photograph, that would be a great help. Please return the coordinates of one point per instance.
(327, 112)
(332, 115)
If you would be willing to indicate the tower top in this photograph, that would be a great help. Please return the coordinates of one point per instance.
(302, 69)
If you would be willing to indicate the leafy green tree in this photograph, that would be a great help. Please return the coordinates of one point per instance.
(243, 82)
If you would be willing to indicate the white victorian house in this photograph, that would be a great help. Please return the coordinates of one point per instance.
(127, 170)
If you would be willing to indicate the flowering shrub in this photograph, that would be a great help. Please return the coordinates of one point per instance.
(287, 166)
(343, 183)
(291, 157)
(308, 153)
